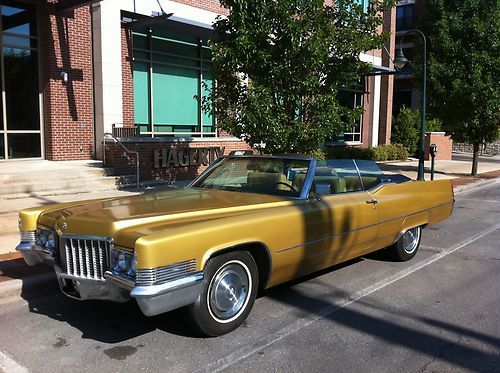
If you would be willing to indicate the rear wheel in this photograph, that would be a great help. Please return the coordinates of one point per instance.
(407, 245)
(228, 293)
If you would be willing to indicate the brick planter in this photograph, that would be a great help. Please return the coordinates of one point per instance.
(168, 159)
(444, 145)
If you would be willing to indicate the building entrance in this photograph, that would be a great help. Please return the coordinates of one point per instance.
(20, 131)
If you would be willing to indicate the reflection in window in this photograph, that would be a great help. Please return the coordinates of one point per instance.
(19, 20)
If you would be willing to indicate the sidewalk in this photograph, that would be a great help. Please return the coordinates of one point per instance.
(13, 270)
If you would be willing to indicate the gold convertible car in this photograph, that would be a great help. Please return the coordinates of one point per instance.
(246, 223)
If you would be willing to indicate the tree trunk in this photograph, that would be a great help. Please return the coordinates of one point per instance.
(475, 159)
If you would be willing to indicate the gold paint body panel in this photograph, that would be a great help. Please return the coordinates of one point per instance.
(301, 236)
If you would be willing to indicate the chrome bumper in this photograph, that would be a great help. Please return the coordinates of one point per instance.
(152, 300)
(156, 299)
(33, 254)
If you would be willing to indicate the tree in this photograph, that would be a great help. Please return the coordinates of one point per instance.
(464, 62)
(278, 65)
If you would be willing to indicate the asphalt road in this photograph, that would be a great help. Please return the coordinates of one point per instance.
(439, 312)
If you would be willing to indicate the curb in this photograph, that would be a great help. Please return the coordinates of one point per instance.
(475, 185)
(14, 288)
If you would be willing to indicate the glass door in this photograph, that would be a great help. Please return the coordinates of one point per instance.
(20, 133)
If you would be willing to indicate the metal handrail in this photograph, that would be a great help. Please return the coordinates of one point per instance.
(127, 150)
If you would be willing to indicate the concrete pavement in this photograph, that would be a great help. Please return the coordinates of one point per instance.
(459, 166)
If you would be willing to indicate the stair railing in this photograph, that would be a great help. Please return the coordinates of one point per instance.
(126, 150)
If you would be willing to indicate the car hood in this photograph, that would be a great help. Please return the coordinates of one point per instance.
(127, 218)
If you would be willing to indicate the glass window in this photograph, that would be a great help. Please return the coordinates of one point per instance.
(275, 176)
(404, 17)
(21, 89)
(168, 103)
(351, 99)
(23, 145)
(371, 175)
(18, 19)
(336, 176)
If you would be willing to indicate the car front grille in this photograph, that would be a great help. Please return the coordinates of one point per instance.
(86, 258)
(161, 275)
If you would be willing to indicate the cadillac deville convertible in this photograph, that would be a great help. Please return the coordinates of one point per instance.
(246, 223)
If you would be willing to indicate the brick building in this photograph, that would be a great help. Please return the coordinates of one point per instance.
(86, 68)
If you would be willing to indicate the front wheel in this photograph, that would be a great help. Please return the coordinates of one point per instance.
(228, 293)
(407, 245)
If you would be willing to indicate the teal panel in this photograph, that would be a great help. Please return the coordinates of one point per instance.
(173, 95)
(207, 119)
(141, 96)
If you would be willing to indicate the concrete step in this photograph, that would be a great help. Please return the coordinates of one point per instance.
(71, 184)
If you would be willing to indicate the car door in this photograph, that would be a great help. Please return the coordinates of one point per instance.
(350, 212)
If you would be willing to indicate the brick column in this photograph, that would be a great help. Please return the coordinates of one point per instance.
(65, 46)
(387, 81)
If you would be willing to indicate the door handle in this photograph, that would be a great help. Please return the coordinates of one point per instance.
(372, 201)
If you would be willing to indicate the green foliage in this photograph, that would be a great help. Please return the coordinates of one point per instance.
(434, 125)
(464, 66)
(389, 152)
(279, 64)
(405, 129)
(318, 154)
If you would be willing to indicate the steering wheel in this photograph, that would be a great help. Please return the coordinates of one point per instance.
(286, 184)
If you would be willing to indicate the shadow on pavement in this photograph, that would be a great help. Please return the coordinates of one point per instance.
(101, 321)
(406, 336)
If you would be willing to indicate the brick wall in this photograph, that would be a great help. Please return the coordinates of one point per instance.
(68, 107)
(210, 5)
(124, 163)
(444, 145)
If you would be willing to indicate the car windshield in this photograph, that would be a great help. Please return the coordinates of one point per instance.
(265, 175)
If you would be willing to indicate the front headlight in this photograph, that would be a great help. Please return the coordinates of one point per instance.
(45, 239)
(123, 263)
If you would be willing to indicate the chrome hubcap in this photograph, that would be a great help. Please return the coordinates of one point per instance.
(229, 291)
(410, 240)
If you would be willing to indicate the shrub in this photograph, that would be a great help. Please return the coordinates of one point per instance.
(405, 129)
(389, 152)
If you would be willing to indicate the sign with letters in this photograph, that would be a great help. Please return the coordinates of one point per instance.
(184, 157)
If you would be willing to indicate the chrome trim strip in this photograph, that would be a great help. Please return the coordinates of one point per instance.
(359, 175)
(86, 237)
(155, 290)
(120, 281)
(306, 188)
(360, 228)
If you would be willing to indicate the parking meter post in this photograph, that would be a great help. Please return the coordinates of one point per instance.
(433, 152)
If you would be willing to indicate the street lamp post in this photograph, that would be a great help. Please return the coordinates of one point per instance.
(400, 61)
